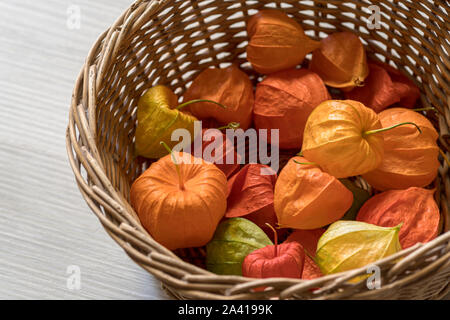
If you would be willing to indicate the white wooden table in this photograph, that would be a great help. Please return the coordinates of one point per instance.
(45, 225)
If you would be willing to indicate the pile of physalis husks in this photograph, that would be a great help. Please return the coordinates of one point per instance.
(326, 222)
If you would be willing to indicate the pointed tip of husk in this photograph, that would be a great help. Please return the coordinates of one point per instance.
(399, 226)
(359, 82)
(312, 45)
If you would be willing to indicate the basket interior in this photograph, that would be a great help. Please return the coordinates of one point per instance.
(184, 37)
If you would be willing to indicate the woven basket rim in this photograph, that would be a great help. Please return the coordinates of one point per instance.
(176, 274)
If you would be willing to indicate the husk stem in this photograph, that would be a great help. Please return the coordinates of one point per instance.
(425, 109)
(231, 125)
(184, 104)
(389, 128)
(399, 226)
(306, 163)
(309, 255)
(275, 238)
(177, 166)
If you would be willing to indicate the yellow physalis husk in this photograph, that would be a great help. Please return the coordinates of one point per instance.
(158, 117)
(348, 245)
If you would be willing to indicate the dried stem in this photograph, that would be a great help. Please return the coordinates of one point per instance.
(177, 166)
(275, 238)
(184, 104)
(389, 128)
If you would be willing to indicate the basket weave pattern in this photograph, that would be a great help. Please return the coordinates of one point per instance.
(169, 42)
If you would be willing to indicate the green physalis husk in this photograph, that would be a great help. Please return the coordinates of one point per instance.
(233, 240)
(360, 196)
(348, 245)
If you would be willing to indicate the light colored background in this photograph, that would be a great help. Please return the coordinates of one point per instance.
(45, 225)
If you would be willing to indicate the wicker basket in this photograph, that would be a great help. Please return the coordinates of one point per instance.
(170, 42)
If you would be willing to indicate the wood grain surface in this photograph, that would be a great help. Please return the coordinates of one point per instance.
(45, 225)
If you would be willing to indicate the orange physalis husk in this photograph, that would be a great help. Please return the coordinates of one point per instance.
(277, 42)
(219, 160)
(410, 157)
(284, 100)
(339, 137)
(414, 207)
(180, 203)
(378, 91)
(250, 195)
(230, 87)
(341, 61)
(279, 260)
(307, 198)
(308, 239)
(249, 190)
(384, 87)
(406, 90)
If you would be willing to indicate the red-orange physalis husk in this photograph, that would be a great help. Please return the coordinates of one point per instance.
(230, 87)
(220, 160)
(277, 42)
(406, 90)
(414, 207)
(384, 87)
(285, 260)
(308, 239)
(284, 101)
(341, 61)
(410, 157)
(378, 91)
(250, 195)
